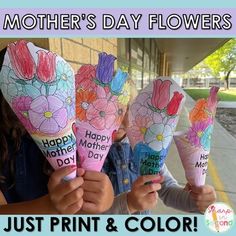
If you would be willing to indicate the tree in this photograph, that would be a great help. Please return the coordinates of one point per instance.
(199, 71)
(223, 61)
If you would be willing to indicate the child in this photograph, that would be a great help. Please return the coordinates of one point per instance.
(27, 184)
(134, 196)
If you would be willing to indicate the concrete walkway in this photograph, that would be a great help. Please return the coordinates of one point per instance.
(223, 104)
(221, 168)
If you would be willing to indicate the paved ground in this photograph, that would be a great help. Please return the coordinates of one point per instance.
(222, 163)
(227, 104)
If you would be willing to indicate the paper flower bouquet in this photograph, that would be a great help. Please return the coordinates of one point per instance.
(101, 100)
(40, 88)
(194, 145)
(153, 117)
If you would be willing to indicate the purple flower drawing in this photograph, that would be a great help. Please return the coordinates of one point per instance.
(47, 114)
(105, 68)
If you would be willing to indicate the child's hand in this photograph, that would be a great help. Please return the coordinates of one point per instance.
(144, 196)
(66, 197)
(98, 192)
(204, 196)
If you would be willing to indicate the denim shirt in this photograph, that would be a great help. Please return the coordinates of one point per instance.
(29, 182)
(122, 170)
(120, 167)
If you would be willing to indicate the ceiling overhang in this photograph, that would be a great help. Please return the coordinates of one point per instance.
(182, 54)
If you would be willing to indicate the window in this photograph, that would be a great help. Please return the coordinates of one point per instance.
(123, 54)
(141, 58)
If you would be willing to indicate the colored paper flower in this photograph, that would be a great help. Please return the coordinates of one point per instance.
(21, 106)
(9, 87)
(172, 122)
(199, 112)
(101, 114)
(124, 97)
(105, 68)
(140, 107)
(206, 138)
(158, 136)
(139, 128)
(65, 76)
(173, 105)
(21, 59)
(47, 114)
(196, 131)
(118, 81)
(164, 119)
(212, 99)
(120, 114)
(161, 93)
(85, 76)
(67, 96)
(83, 101)
(104, 92)
(46, 66)
(159, 117)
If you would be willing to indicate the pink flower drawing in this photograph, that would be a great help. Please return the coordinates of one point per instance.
(47, 114)
(21, 106)
(212, 99)
(163, 118)
(139, 128)
(159, 118)
(195, 132)
(46, 66)
(161, 93)
(140, 107)
(101, 114)
(105, 93)
(85, 77)
(21, 59)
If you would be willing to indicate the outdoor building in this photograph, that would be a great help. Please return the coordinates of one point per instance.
(147, 58)
(143, 58)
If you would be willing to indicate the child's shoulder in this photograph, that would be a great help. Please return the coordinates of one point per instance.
(121, 150)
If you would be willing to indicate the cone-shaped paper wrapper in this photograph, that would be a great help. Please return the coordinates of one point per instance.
(39, 87)
(149, 161)
(194, 159)
(92, 146)
(194, 145)
(153, 116)
(101, 101)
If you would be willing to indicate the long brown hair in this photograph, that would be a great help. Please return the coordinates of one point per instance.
(10, 128)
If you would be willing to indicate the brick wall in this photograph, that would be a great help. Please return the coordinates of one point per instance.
(78, 51)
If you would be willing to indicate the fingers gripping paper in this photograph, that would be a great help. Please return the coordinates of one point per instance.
(101, 101)
(39, 87)
(153, 117)
(194, 145)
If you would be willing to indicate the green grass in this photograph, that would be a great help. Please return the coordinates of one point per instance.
(228, 95)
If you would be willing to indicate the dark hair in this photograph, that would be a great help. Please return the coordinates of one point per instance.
(10, 127)
(11, 130)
